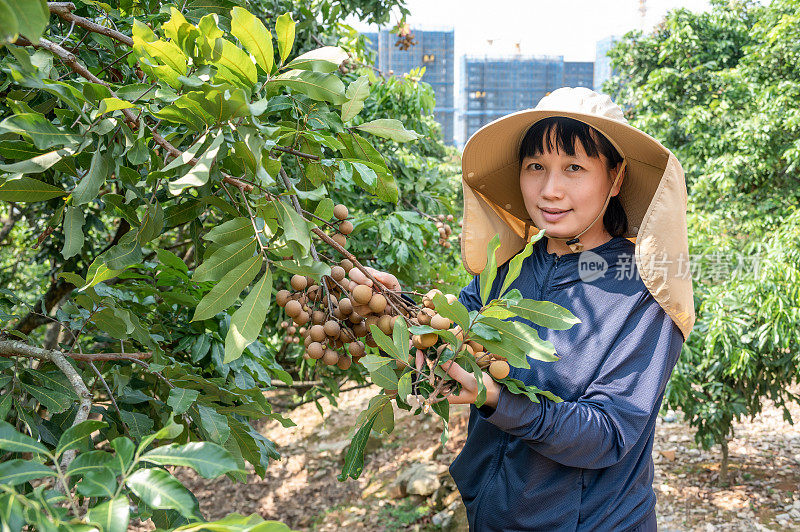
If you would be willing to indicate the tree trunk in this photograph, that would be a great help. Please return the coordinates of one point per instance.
(723, 467)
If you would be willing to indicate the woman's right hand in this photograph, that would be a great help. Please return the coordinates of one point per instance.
(386, 279)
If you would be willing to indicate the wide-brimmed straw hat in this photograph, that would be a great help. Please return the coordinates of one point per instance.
(653, 195)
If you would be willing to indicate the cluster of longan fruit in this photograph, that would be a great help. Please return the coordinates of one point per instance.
(292, 333)
(345, 227)
(336, 331)
(427, 315)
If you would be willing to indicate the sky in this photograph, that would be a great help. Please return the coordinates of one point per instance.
(553, 27)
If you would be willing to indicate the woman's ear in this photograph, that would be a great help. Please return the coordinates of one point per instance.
(613, 174)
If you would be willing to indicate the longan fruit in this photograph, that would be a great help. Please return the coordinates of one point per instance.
(451, 298)
(292, 329)
(441, 217)
(346, 306)
(317, 333)
(377, 303)
(307, 341)
(449, 217)
(386, 324)
(315, 350)
(347, 264)
(371, 320)
(340, 212)
(293, 308)
(306, 356)
(362, 310)
(458, 332)
(360, 329)
(299, 282)
(356, 349)
(295, 340)
(440, 322)
(340, 239)
(423, 318)
(330, 357)
(282, 297)
(362, 294)
(284, 324)
(332, 328)
(303, 318)
(424, 341)
(337, 343)
(346, 227)
(483, 360)
(355, 318)
(338, 273)
(314, 292)
(370, 341)
(476, 346)
(499, 369)
(318, 317)
(338, 314)
(302, 330)
(344, 362)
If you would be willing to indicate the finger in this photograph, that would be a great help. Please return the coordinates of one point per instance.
(420, 360)
(464, 397)
(358, 276)
(466, 379)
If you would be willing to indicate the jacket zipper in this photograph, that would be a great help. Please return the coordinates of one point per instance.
(507, 436)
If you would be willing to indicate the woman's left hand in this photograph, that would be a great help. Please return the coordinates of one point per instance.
(469, 386)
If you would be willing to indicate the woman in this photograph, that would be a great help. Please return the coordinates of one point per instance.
(573, 167)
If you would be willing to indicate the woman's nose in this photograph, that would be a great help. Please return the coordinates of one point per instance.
(551, 188)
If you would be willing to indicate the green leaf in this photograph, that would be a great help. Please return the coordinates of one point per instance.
(180, 399)
(490, 270)
(98, 272)
(225, 292)
(171, 260)
(230, 231)
(385, 343)
(214, 423)
(284, 29)
(356, 93)
(139, 425)
(545, 313)
(354, 459)
(27, 190)
(515, 266)
(88, 187)
(401, 337)
(39, 129)
(88, 462)
(519, 387)
(19, 471)
(32, 17)
(248, 320)
(224, 259)
(9, 31)
(255, 37)
(315, 269)
(456, 311)
(198, 174)
(238, 63)
(326, 59)
(525, 338)
(124, 451)
(11, 440)
(315, 85)
(38, 164)
(98, 483)
(108, 105)
(208, 459)
(54, 401)
(74, 437)
(73, 232)
(294, 227)
(404, 386)
(113, 515)
(389, 128)
(159, 489)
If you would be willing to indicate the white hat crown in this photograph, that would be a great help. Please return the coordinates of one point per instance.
(582, 100)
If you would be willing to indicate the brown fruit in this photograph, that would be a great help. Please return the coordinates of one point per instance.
(427, 300)
(476, 346)
(293, 308)
(318, 317)
(337, 343)
(344, 362)
(440, 322)
(295, 340)
(340, 239)
(424, 341)
(449, 217)
(347, 264)
(340, 212)
(307, 341)
(355, 318)
(362, 294)
(458, 332)
(299, 282)
(362, 310)
(346, 306)
(317, 333)
(338, 314)
(360, 329)
(441, 217)
(356, 349)
(346, 227)
(302, 318)
(377, 303)
(337, 272)
(282, 297)
(451, 298)
(314, 292)
(332, 328)
(423, 318)
(370, 341)
(305, 356)
(315, 350)
(330, 357)
(499, 369)
(371, 320)
(284, 324)
(291, 329)
(386, 324)
(483, 360)
(302, 331)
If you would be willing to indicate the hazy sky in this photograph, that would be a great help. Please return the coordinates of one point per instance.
(553, 27)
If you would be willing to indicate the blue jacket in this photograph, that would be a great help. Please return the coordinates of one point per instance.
(584, 463)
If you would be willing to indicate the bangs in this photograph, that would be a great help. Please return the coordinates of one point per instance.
(538, 139)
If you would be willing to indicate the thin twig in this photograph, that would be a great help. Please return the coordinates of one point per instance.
(110, 396)
(64, 10)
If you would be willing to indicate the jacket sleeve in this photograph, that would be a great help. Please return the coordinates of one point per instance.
(604, 424)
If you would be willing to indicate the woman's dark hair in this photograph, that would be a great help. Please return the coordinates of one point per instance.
(566, 131)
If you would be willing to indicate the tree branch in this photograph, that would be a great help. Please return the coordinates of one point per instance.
(11, 348)
(65, 9)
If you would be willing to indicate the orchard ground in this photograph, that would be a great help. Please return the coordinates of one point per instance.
(302, 490)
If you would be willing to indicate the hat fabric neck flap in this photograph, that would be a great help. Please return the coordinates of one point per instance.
(653, 195)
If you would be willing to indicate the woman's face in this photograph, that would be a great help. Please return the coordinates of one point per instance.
(579, 184)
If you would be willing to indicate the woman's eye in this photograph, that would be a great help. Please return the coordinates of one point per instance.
(577, 166)
(533, 166)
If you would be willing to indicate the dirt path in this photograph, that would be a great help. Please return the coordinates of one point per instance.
(302, 491)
